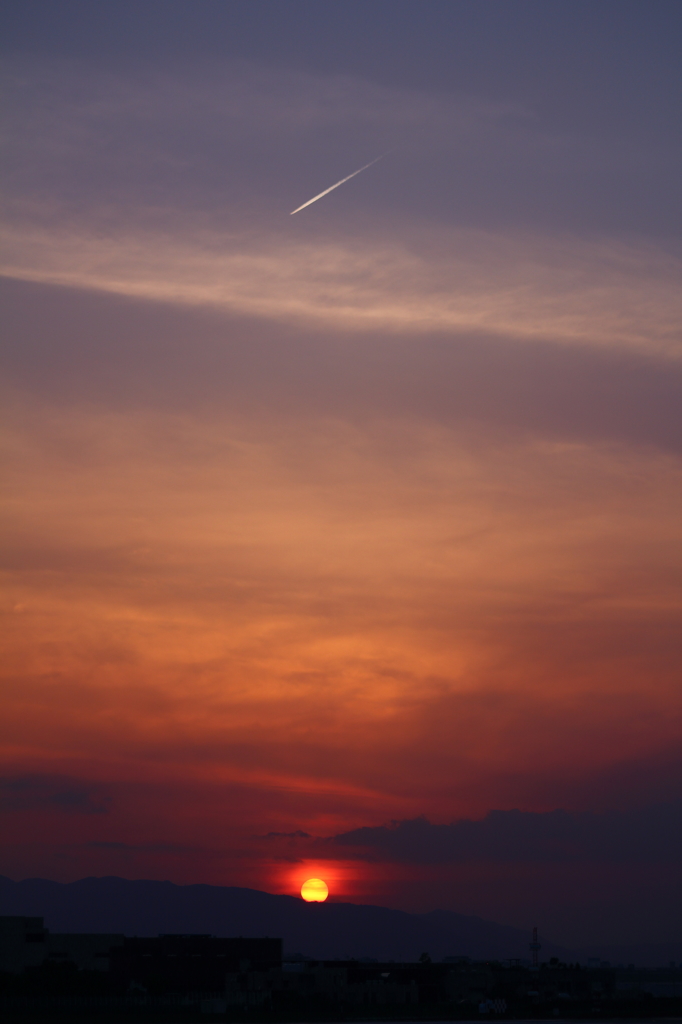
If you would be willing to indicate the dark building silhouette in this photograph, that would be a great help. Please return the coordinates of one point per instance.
(198, 963)
(43, 972)
(25, 942)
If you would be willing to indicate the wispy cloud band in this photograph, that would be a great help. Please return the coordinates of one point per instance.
(565, 291)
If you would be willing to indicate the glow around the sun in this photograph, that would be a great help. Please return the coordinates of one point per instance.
(314, 890)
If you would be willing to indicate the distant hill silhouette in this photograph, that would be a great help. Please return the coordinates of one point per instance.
(318, 930)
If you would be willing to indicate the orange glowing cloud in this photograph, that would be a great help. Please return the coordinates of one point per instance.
(197, 589)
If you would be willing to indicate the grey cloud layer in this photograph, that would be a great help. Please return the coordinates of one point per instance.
(214, 136)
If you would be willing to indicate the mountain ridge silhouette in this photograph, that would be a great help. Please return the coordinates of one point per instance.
(320, 930)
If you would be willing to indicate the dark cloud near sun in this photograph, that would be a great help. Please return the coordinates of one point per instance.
(649, 834)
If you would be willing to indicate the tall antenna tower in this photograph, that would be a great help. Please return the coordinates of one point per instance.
(534, 947)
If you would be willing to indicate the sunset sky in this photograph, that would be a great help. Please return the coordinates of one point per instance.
(346, 545)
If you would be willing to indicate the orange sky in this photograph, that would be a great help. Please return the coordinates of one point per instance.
(322, 525)
(224, 624)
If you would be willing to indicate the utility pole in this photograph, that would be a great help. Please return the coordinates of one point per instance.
(534, 947)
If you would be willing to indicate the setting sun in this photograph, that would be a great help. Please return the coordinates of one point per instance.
(314, 890)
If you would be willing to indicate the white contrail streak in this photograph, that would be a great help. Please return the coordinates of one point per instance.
(332, 187)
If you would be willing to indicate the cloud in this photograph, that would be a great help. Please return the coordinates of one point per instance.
(124, 353)
(201, 133)
(161, 187)
(518, 287)
(649, 834)
(360, 613)
(52, 793)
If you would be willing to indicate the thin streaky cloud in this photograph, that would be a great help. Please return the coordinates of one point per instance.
(598, 292)
(332, 187)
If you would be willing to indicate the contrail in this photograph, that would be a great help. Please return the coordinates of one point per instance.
(332, 187)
